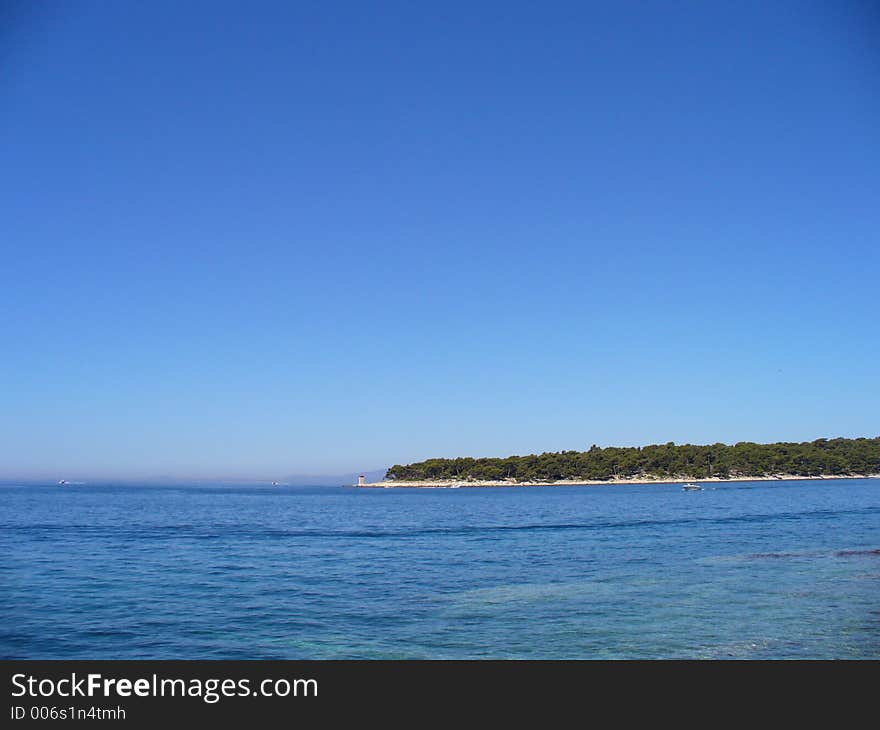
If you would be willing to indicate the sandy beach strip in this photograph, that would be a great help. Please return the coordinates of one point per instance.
(461, 483)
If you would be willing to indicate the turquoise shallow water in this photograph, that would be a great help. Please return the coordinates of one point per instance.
(744, 570)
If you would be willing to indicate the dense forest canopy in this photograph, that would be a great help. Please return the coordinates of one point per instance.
(811, 458)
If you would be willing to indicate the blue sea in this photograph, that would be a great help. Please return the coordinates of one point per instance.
(739, 571)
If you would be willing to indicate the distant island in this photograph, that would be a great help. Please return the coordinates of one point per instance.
(822, 458)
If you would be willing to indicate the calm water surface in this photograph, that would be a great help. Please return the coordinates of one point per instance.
(746, 570)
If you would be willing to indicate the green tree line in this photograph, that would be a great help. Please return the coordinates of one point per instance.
(837, 456)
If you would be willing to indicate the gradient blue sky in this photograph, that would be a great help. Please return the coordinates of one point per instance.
(256, 239)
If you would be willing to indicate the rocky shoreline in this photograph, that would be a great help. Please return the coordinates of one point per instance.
(455, 484)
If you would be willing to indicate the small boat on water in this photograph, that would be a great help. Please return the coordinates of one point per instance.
(691, 487)
(62, 482)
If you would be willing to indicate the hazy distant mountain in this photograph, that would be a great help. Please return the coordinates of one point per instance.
(332, 479)
(318, 480)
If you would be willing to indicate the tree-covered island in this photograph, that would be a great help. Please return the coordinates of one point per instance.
(823, 457)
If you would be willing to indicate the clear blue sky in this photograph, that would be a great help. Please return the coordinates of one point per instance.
(253, 239)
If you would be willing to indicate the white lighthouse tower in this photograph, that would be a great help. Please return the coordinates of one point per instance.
(361, 481)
